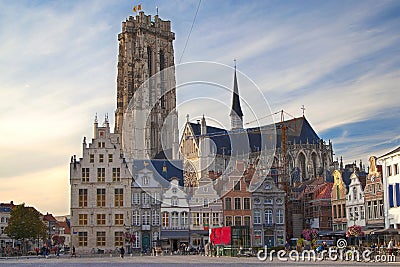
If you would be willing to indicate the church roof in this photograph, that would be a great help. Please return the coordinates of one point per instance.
(298, 130)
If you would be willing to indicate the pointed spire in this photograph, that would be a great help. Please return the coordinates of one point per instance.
(236, 110)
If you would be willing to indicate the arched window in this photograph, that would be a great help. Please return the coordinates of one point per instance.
(302, 166)
(268, 216)
(149, 61)
(354, 193)
(314, 164)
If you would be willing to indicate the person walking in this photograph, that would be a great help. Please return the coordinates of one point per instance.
(122, 251)
(73, 252)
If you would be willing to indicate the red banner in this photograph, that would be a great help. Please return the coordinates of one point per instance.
(221, 236)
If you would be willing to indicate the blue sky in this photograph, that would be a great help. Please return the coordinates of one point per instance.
(58, 68)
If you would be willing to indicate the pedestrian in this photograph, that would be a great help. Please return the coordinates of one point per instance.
(391, 246)
(73, 252)
(122, 251)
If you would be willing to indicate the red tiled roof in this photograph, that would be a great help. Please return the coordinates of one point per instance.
(49, 217)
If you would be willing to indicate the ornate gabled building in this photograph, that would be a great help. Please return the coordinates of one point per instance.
(355, 202)
(206, 211)
(175, 216)
(338, 199)
(147, 190)
(374, 196)
(100, 193)
(146, 95)
(268, 208)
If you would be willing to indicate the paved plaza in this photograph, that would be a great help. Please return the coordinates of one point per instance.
(193, 260)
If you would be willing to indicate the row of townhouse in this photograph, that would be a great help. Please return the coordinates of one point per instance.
(147, 205)
(370, 200)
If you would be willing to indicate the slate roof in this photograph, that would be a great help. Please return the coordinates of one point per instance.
(164, 169)
(298, 130)
(236, 109)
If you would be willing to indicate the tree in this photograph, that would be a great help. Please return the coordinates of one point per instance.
(25, 224)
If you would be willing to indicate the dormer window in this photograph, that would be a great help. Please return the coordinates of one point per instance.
(174, 201)
(145, 180)
(174, 190)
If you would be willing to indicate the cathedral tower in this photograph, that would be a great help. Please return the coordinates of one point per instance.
(145, 50)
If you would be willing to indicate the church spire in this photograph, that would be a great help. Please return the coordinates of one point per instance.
(236, 111)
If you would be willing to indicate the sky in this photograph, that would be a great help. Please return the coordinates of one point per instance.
(58, 59)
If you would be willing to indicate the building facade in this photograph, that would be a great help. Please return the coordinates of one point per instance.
(5, 214)
(175, 216)
(100, 193)
(391, 181)
(374, 196)
(339, 191)
(268, 214)
(355, 203)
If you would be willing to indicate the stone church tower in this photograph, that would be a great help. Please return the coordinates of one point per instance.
(146, 75)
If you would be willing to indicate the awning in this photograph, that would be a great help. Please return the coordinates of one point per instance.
(175, 234)
(370, 231)
(389, 231)
(199, 232)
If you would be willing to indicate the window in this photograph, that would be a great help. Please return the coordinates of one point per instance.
(136, 198)
(279, 216)
(228, 203)
(82, 239)
(146, 217)
(85, 174)
(205, 203)
(396, 169)
(174, 201)
(373, 189)
(238, 203)
(246, 203)
(354, 193)
(83, 197)
(268, 201)
(136, 218)
(257, 237)
(145, 198)
(257, 217)
(246, 220)
(101, 197)
(101, 174)
(119, 197)
(228, 221)
(100, 239)
(389, 170)
(355, 216)
(145, 180)
(380, 208)
(268, 186)
(362, 213)
(257, 201)
(344, 210)
(174, 219)
(116, 174)
(215, 219)
(339, 207)
(238, 220)
(391, 195)
(174, 190)
(165, 219)
(196, 219)
(156, 198)
(375, 211)
(83, 219)
(101, 219)
(155, 216)
(101, 144)
(91, 158)
(119, 219)
(279, 201)
(136, 243)
(369, 207)
(110, 157)
(101, 158)
(268, 216)
(237, 186)
(206, 219)
(184, 219)
(118, 239)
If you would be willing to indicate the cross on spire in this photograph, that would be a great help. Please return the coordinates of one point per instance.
(303, 108)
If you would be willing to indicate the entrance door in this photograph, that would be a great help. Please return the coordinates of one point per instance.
(269, 240)
(146, 242)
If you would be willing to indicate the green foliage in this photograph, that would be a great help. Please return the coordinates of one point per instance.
(25, 223)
